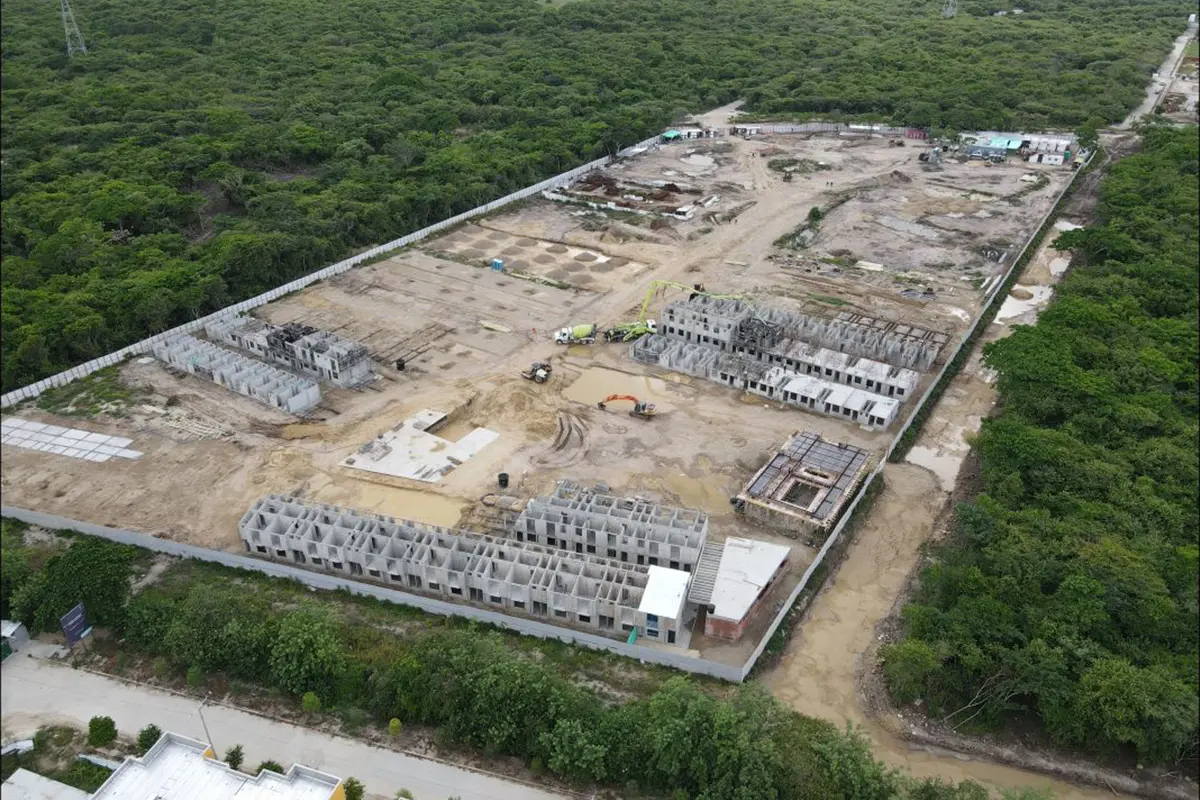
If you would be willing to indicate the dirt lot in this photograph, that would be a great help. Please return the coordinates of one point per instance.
(465, 331)
(830, 667)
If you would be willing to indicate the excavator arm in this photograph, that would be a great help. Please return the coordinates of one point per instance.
(640, 409)
(612, 397)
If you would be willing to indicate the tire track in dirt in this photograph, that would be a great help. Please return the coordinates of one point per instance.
(835, 646)
(820, 670)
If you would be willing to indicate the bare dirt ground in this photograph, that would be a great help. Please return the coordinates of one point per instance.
(830, 668)
(465, 331)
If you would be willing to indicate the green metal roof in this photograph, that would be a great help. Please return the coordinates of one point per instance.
(1006, 143)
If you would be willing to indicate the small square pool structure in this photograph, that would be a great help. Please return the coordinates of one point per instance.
(806, 484)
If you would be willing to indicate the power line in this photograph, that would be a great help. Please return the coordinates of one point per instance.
(74, 37)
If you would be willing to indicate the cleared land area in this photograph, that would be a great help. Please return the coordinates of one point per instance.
(925, 244)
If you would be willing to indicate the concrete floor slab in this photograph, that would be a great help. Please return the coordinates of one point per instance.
(410, 451)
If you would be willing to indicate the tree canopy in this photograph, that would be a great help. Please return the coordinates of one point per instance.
(197, 156)
(1069, 588)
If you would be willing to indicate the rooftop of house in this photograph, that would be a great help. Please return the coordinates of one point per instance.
(747, 566)
(179, 768)
(664, 593)
(26, 785)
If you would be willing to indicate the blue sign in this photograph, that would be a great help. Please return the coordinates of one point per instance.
(75, 625)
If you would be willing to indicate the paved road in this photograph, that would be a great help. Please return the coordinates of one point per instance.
(35, 692)
(1166, 74)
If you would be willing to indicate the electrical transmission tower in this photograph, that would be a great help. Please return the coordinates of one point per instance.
(948, 10)
(74, 37)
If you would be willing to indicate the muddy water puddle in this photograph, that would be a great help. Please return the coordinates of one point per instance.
(944, 465)
(596, 383)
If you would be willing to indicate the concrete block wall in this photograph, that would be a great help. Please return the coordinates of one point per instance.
(820, 396)
(340, 361)
(327, 357)
(735, 325)
(630, 530)
(262, 382)
(514, 577)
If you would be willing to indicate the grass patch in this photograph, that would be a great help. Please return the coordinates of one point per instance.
(54, 756)
(365, 618)
(101, 392)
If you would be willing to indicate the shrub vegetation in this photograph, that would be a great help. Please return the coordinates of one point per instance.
(188, 161)
(1069, 588)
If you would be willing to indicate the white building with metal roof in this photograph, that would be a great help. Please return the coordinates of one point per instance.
(748, 569)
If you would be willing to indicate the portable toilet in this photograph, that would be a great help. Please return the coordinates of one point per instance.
(498, 264)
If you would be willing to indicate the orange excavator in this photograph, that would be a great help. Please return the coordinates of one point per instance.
(640, 409)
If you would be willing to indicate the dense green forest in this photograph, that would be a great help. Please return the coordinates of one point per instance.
(1068, 591)
(465, 681)
(200, 154)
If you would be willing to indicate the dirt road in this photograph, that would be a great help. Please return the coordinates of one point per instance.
(1166, 74)
(821, 671)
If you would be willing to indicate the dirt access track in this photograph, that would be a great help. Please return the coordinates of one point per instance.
(898, 243)
(830, 667)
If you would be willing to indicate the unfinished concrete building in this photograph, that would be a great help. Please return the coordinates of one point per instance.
(294, 394)
(816, 394)
(329, 358)
(601, 594)
(806, 485)
(631, 530)
(736, 326)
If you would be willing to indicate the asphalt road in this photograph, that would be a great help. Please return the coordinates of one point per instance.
(36, 692)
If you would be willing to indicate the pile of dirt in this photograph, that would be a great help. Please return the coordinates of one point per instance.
(516, 403)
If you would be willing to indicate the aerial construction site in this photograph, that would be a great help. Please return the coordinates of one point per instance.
(634, 406)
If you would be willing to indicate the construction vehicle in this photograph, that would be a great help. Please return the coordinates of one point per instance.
(932, 157)
(538, 372)
(640, 409)
(577, 334)
(629, 331)
(643, 326)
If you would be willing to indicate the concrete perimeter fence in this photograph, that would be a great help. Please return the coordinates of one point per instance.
(147, 345)
(866, 129)
(666, 656)
(558, 181)
(951, 366)
(674, 658)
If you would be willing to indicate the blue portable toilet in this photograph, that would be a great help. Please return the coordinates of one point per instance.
(498, 264)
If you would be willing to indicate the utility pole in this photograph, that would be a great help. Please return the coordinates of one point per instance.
(948, 10)
(200, 711)
(74, 37)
